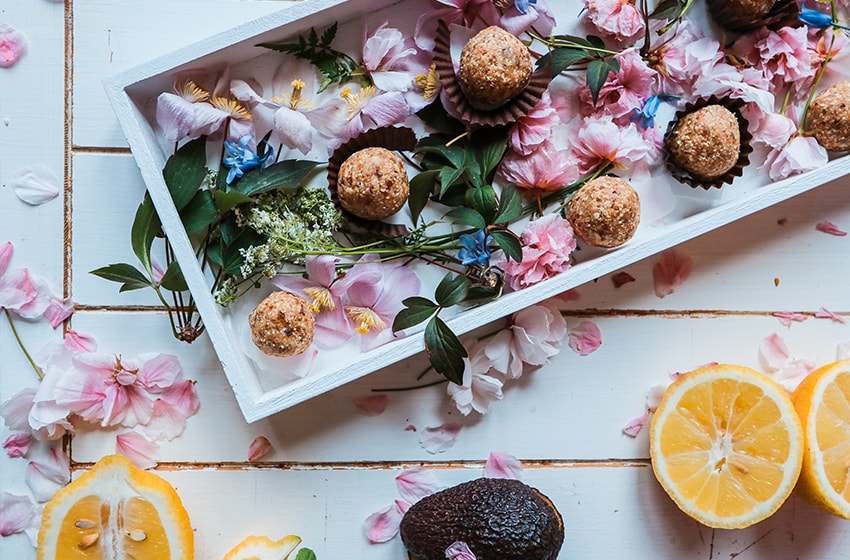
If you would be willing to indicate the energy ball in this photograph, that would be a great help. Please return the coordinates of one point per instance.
(282, 324)
(605, 212)
(750, 9)
(830, 117)
(706, 143)
(372, 183)
(494, 67)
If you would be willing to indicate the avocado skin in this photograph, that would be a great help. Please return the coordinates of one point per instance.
(499, 519)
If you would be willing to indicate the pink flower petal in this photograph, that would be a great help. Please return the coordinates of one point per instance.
(140, 450)
(372, 405)
(58, 310)
(16, 512)
(15, 411)
(786, 317)
(6, 251)
(440, 438)
(383, 525)
(842, 350)
(634, 426)
(13, 45)
(459, 550)
(17, 289)
(671, 271)
(828, 227)
(45, 476)
(18, 444)
(792, 373)
(502, 465)
(416, 483)
(585, 338)
(159, 372)
(824, 313)
(259, 448)
(79, 342)
(773, 353)
(35, 185)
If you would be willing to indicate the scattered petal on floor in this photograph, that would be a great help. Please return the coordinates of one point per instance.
(441, 438)
(502, 465)
(621, 278)
(13, 45)
(46, 475)
(372, 405)
(585, 338)
(416, 483)
(15, 513)
(824, 313)
(141, 451)
(35, 185)
(259, 448)
(671, 271)
(773, 353)
(634, 426)
(787, 317)
(828, 227)
(383, 525)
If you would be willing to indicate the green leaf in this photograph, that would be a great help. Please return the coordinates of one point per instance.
(284, 174)
(185, 171)
(509, 244)
(146, 226)
(130, 277)
(574, 39)
(667, 9)
(454, 154)
(416, 310)
(490, 155)
(468, 216)
(444, 350)
(452, 289)
(483, 200)
(173, 278)
(227, 201)
(596, 42)
(562, 58)
(200, 213)
(597, 74)
(448, 176)
(231, 255)
(436, 118)
(421, 188)
(510, 205)
(305, 554)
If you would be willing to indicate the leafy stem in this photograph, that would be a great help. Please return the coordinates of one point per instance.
(821, 72)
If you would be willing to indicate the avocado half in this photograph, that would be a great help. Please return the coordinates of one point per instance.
(498, 519)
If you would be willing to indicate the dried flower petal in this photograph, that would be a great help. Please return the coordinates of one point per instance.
(259, 448)
(35, 184)
(828, 227)
(824, 313)
(786, 317)
(585, 338)
(15, 513)
(140, 450)
(634, 426)
(502, 465)
(13, 45)
(416, 483)
(671, 271)
(440, 438)
(372, 405)
(383, 525)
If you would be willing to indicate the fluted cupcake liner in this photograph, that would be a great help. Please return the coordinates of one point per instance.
(389, 137)
(507, 113)
(783, 14)
(682, 175)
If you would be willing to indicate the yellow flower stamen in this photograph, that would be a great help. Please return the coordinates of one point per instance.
(320, 298)
(295, 100)
(366, 319)
(191, 92)
(429, 83)
(231, 106)
(356, 101)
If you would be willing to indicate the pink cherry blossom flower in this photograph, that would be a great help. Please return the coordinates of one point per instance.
(547, 168)
(371, 405)
(782, 56)
(683, 55)
(623, 91)
(671, 271)
(439, 439)
(478, 390)
(535, 336)
(46, 475)
(17, 445)
(259, 447)
(799, 155)
(13, 45)
(828, 227)
(786, 317)
(462, 12)
(140, 450)
(35, 184)
(585, 338)
(619, 19)
(599, 141)
(532, 129)
(635, 425)
(383, 525)
(547, 246)
(415, 483)
(502, 465)
(373, 297)
(773, 129)
(459, 550)
(324, 294)
(392, 60)
(824, 313)
(537, 15)
(16, 512)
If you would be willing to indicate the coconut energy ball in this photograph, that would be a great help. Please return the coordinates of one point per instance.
(282, 324)
(830, 117)
(373, 184)
(706, 143)
(494, 67)
(605, 212)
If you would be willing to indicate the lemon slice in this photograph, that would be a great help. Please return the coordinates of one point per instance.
(263, 548)
(115, 511)
(726, 445)
(823, 403)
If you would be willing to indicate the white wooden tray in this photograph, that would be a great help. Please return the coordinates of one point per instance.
(133, 92)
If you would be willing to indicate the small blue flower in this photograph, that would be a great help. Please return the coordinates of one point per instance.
(645, 118)
(814, 18)
(522, 5)
(476, 248)
(240, 158)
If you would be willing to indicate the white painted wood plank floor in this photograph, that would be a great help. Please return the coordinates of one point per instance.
(331, 466)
